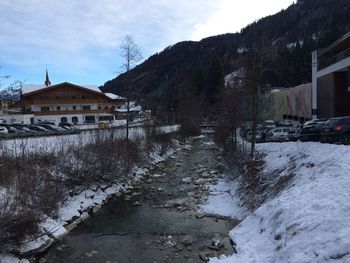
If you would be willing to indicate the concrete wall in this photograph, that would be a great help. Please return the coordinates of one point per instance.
(294, 102)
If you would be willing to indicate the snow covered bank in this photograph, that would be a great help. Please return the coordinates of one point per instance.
(57, 142)
(79, 206)
(223, 200)
(309, 221)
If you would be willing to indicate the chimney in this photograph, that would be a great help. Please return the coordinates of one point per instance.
(47, 80)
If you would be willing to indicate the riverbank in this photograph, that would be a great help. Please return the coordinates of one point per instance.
(309, 219)
(80, 205)
(159, 220)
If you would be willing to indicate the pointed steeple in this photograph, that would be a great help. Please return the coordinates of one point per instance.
(47, 80)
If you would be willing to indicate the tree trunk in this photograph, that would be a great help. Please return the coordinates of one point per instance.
(254, 122)
(127, 119)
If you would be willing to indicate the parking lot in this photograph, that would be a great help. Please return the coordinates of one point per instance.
(333, 130)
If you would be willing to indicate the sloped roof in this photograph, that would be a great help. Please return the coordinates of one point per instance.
(31, 88)
(114, 96)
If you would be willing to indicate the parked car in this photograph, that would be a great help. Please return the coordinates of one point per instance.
(64, 126)
(269, 124)
(293, 134)
(67, 125)
(311, 130)
(336, 130)
(284, 123)
(22, 127)
(314, 122)
(11, 129)
(260, 136)
(278, 135)
(3, 130)
(52, 127)
(37, 128)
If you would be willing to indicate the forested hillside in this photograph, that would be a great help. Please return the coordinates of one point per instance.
(286, 38)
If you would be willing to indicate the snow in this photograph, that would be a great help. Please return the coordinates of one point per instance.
(55, 143)
(12, 259)
(28, 88)
(114, 96)
(242, 50)
(223, 200)
(307, 222)
(74, 206)
(294, 44)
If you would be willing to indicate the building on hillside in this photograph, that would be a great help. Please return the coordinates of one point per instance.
(331, 80)
(68, 103)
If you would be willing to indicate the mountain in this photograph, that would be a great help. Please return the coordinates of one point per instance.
(288, 38)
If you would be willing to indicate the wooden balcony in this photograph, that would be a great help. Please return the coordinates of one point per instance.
(71, 112)
(68, 101)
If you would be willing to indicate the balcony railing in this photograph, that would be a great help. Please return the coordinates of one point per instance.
(71, 112)
(326, 62)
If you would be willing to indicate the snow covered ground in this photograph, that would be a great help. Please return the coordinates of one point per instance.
(76, 207)
(55, 143)
(223, 200)
(309, 221)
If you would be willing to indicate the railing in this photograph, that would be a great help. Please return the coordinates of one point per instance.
(70, 112)
(324, 63)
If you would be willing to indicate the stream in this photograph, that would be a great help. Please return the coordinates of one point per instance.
(158, 220)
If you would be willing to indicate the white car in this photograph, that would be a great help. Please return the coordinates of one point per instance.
(269, 124)
(278, 135)
(3, 129)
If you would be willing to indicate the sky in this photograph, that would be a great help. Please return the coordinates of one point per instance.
(78, 41)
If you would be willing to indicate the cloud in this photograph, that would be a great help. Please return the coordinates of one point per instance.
(84, 35)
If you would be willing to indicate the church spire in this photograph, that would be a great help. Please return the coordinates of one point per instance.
(47, 80)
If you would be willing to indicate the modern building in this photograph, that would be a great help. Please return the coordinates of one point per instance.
(331, 80)
(292, 104)
(68, 103)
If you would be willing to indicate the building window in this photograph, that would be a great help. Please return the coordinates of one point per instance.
(90, 119)
(64, 120)
(45, 108)
(86, 107)
(99, 107)
(74, 107)
(58, 108)
(74, 120)
(106, 118)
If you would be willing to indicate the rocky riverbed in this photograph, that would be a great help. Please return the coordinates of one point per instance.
(157, 219)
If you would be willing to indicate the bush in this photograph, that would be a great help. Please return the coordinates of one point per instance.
(17, 220)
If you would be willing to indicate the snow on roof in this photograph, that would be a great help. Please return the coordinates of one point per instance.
(114, 96)
(32, 87)
(28, 88)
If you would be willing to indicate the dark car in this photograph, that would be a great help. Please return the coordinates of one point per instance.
(311, 130)
(52, 127)
(37, 128)
(336, 130)
(293, 135)
(11, 129)
(22, 127)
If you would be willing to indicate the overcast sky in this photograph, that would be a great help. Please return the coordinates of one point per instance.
(79, 40)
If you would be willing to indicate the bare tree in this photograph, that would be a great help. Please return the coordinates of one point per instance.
(131, 55)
